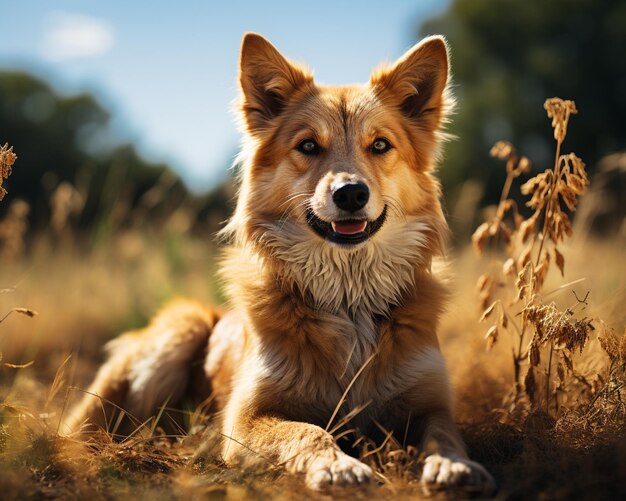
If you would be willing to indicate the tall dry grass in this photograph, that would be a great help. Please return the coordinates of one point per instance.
(547, 338)
(555, 434)
(7, 160)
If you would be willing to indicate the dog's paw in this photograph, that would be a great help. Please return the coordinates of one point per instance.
(340, 470)
(441, 472)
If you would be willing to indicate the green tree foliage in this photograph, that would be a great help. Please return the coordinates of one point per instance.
(507, 57)
(59, 138)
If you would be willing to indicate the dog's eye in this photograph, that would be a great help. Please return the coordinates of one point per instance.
(308, 147)
(380, 146)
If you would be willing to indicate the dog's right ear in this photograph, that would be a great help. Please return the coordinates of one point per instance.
(267, 81)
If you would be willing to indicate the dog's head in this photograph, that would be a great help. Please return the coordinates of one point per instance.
(347, 168)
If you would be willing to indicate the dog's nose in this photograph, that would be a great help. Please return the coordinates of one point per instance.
(351, 196)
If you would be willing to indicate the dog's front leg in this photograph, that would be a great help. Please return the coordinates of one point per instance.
(446, 462)
(298, 447)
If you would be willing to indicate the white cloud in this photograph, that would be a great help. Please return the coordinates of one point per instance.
(75, 36)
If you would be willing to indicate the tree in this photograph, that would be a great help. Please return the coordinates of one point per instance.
(57, 139)
(507, 57)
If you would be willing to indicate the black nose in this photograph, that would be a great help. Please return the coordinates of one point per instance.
(351, 196)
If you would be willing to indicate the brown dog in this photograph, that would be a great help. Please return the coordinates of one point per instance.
(334, 303)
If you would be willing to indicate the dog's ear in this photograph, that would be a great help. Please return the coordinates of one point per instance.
(267, 81)
(417, 81)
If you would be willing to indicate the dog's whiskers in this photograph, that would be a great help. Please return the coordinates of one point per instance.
(395, 206)
(291, 209)
(295, 196)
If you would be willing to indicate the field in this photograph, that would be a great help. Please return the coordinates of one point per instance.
(556, 434)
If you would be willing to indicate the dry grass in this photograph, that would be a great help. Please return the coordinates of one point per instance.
(7, 159)
(571, 453)
(562, 438)
(515, 301)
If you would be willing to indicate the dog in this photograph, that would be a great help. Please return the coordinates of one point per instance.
(329, 274)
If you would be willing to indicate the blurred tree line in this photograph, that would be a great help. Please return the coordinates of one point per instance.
(507, 58)
(64, 159)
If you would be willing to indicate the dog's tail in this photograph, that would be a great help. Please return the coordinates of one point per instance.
(145, 370)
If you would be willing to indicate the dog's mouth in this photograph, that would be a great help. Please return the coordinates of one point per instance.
(346, 231)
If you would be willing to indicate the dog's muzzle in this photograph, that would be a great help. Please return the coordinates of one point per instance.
(347, 231)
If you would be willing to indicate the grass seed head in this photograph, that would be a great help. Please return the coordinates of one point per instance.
(502, 150)
(480, 237)
(491, 336)
(614, 345)
(558, 327)
(559, 110)
(7, 159)
(560, 260)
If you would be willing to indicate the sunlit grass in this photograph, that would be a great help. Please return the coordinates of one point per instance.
(87, 288)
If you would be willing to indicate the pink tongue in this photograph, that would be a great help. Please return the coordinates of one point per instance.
(349, 227)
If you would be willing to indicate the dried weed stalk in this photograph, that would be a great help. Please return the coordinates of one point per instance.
(7, 159)
(545, 338)
(608, 407)
(20, 311)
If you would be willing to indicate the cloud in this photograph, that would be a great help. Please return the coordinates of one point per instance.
(70, 36)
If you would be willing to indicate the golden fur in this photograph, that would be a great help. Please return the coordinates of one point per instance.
(316, 326)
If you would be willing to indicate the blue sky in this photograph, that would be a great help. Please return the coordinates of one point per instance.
(167, 69)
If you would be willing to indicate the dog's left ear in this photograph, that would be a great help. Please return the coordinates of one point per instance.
(267, 80)
(417, 81)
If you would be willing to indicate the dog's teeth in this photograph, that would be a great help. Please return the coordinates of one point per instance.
(349, 227)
